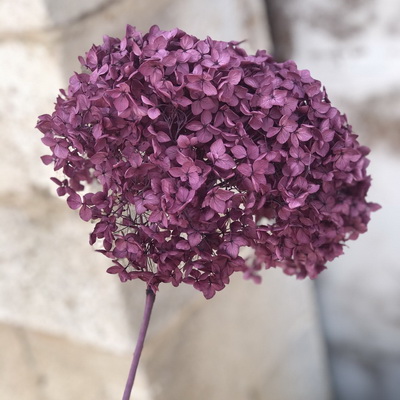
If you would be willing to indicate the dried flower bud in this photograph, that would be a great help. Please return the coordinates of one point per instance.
(199, 150)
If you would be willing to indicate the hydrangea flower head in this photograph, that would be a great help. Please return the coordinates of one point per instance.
(183, 151)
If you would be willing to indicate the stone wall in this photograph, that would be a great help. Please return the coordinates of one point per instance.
(353, 47)
(66, 326)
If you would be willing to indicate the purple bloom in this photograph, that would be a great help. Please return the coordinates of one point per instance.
(219, 157)
(203, 128)
(198, 150)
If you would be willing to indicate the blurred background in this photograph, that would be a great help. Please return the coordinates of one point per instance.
(67, 329)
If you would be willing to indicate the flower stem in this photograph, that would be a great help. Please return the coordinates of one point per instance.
(150, 297)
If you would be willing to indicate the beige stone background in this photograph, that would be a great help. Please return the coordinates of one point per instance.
(67, 329)
(353, 47)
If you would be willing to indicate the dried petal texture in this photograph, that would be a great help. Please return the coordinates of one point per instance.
(189, 150)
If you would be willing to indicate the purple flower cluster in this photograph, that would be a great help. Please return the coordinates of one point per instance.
(194, 149)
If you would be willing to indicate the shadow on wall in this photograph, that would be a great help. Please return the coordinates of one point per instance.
(353, 47)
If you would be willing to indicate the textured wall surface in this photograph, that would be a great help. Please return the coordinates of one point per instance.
(65, 323)
(353, 47)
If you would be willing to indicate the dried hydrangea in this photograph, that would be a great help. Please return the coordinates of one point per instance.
(188, 150)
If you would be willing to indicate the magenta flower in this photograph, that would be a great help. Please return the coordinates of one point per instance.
(188, 150)
(219, 157)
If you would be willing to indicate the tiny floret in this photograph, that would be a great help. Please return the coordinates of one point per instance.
(184, 151)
